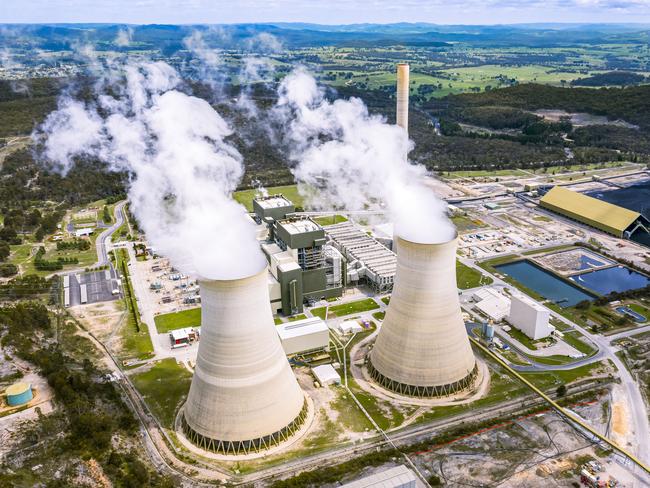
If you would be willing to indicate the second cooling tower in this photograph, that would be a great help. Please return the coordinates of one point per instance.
(244, 396)
(422, 348)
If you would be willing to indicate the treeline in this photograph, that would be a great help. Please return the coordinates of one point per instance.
(42, 264)
(612, 78)
(27, 287)
(78, 244)
(631, 104)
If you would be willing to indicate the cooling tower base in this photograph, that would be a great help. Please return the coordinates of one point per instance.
(424, 391)
(245, 447)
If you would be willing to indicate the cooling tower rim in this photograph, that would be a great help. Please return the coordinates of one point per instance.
(242, 279)
(428, 244)
(402, 64)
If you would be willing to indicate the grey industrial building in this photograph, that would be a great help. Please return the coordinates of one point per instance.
(368, 260)
(306, 267)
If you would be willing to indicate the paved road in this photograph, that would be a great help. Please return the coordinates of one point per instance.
(635, 402)
(103, 241)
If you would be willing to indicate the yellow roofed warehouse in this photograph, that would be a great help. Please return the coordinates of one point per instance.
(601, 215)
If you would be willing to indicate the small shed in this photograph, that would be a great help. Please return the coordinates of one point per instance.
(325, 374)
(349, 327)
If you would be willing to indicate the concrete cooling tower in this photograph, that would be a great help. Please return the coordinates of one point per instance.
(422, 349)
(244, 396)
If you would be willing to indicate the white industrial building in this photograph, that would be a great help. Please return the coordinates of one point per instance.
(300, 336)
(530, 317)
(397, 477)
(349, 327)
(325, 374)
(367, 258)
(492, 303)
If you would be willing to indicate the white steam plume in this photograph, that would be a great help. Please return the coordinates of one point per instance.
(124, 37)
(357, 161)
(183, 170)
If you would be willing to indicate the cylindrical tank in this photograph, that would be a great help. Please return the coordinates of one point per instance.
(19, 394)
(422, 348)
(244, 396)
(489, 332)
(403, 87)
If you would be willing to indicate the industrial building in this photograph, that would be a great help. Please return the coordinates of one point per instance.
(368, 260)
(530, 317)
(326, 375)
(19, 394)
(301, 261)
(244, 396)
(304, 336)
(397, 477)
(422, 348)
(492, 303)
(609, 218)
(184, 337)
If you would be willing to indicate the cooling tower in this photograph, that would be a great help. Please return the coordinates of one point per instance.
(244, 396)
(422, 348)
(403, 87)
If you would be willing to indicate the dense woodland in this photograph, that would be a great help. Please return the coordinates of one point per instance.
(492, 129)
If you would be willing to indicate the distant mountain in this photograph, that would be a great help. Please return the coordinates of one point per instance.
(168, 38)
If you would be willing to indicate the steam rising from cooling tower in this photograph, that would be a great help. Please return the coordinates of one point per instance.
(183, 169)
(357, 161)
(422, 348)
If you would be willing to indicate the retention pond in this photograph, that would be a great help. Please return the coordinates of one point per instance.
(544, 283)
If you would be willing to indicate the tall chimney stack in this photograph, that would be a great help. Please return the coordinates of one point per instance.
(403, 87)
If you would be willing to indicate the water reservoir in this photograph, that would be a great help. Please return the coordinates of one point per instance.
(616, 278)
(546, 284)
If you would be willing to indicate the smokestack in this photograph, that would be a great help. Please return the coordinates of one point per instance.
(422, 348)
(403, 87)
(244, 397)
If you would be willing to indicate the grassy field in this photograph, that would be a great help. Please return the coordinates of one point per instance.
(136, 342)
(178, 320)
(164, 388)
(245, 197)
(464, 223)
(545, 380)
(467, 277)
(346, 308)
(330, 220)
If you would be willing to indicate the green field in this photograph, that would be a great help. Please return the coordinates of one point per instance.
(245, 197)
(164, 388)
(467, 277)
(134, 334)
(178, 320)
(330, 220)
(346, 308)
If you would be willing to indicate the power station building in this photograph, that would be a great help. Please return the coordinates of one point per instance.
(604, 216)
(244, 396)
(368, 260)
(422, 348)
(530, 317)
(301, 261)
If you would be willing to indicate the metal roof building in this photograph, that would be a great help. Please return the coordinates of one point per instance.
(398, 477)
(377, 263)
(601, 215)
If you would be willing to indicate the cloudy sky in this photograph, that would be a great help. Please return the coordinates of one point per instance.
(325, 11)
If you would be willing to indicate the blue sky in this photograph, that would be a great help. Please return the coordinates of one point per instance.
(325, 11)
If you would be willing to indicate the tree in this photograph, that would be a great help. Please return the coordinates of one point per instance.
(561, 390)
(5, 250)
(107, 215)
